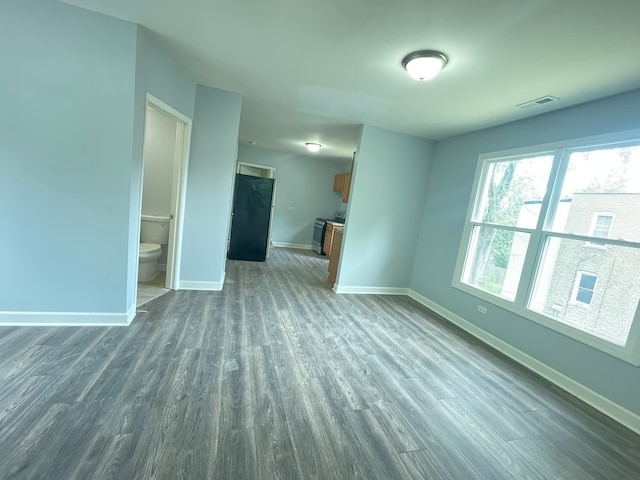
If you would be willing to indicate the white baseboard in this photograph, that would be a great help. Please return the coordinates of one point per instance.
(617, 412)
(131, 314)
(66, 319)
(207, 286)
(299, 246)
(371, 290)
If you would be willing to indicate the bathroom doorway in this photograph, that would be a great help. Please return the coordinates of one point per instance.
(167, 136)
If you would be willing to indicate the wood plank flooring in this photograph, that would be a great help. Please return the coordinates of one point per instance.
(277, 377)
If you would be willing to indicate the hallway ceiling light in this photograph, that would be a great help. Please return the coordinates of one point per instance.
(424, 64)
(313, 147)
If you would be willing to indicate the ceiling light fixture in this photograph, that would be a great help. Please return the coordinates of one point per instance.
(424, 64)
(313, 147)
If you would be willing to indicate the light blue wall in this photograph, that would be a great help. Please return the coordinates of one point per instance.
(304, 183)
(209, 185)
(387, 199)
(446, 207)
(67, 96)
(158, 75)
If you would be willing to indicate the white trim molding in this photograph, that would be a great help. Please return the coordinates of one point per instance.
(299, 246)
(371, 290)
(205, 286)
(182, 153)
(66, 319)
(131, 314)
(617, 412)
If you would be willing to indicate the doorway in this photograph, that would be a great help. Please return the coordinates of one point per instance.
(167, 136)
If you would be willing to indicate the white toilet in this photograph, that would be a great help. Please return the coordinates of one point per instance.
(154, 232)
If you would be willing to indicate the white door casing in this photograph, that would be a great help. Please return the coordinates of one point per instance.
(178, 189)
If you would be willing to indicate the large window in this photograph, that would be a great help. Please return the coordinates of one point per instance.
(541, 240)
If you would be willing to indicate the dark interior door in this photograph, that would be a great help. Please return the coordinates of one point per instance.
(250, 221)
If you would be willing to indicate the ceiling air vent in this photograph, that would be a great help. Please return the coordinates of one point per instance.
(538, 102)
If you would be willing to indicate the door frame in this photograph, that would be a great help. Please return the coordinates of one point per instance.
(270, 170)
(178, 188)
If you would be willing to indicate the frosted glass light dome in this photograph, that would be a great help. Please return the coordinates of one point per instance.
(313, 147)
(424, 64)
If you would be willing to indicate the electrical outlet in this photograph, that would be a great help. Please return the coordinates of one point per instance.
(482, 309)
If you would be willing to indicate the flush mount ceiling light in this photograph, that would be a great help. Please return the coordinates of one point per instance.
(424, 64)
(313, 147)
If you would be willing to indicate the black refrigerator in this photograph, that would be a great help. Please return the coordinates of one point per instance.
(250, 219)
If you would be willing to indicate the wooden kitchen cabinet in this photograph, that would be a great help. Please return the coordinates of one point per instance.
(328, 240)
(342, 183)
(335, 255)
(338, 183)
(329, 235)
(346, 187)
(346, 190)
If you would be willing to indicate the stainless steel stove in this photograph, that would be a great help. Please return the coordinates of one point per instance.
(320, 227)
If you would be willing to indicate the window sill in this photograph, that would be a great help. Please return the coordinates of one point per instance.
(575, 303)
(594, 245)
(627, 353)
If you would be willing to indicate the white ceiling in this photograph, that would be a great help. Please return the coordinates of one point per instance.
(316, 70)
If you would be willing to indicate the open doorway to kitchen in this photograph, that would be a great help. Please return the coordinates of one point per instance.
(167, 135)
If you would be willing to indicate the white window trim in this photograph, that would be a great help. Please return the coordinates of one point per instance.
(576, 285)
(629, 352)
(592, 227)
(594, 221)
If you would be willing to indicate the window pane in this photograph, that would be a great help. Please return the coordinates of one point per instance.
(597, 181)
(495, 259)
(587, 281)
(602, 225)
(513, 191)
(584, 296)
(601, 303)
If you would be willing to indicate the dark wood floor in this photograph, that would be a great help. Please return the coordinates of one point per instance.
(277, 377)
